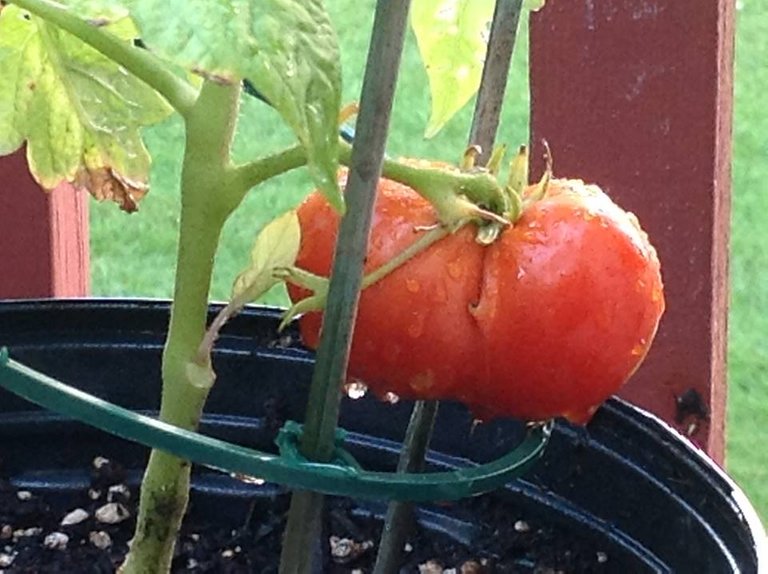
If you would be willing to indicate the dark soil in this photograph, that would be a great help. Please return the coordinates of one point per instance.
(33, 539)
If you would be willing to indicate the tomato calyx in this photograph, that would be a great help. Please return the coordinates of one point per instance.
(458, 196)
(470, 192)
(309, 281)
(519, 193)
(467, 194)
(463, 195)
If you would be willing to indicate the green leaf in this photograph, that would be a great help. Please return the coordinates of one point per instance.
(452, 36)
(277, 245)
(286, 48)
(79, 112)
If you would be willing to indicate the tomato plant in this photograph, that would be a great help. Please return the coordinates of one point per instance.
(549, 320)
(544, 318)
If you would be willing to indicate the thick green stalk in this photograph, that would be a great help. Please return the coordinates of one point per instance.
(186, 383)
(141, 63)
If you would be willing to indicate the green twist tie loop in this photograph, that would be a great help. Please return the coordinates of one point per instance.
(288, 442)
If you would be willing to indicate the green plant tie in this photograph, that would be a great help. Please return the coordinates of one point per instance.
(342, 476)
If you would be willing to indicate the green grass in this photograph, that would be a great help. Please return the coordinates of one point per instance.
(747, 431)
(134, 255)
(140, 261)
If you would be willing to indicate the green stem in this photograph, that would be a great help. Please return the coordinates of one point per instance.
(429, 238)
(399, 518)
(438, 186)
(319, 285)
(443, 188)
(434, 184)
(165, 489)
(251, 174)
(141, 63)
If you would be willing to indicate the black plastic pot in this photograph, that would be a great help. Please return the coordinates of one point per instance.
(629, 486)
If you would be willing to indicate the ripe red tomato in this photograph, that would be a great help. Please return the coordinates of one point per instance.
(549, 320)
(412, 329)
(571, 300)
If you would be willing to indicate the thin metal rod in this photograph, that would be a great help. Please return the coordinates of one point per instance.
(399, 519)
(364, 172)
(305, 515)
(490, 97)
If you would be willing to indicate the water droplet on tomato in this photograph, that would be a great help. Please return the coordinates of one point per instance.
(520, 272)
(416, 328)
(455, 269)
(355, 389)
(422, 382)
(639, 349)
(441, 296)
(377, 242)
(641, 286)
(533, 237)
(391, 398)
(412, 285)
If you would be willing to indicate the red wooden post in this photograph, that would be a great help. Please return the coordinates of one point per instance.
(637, 96)
(43, 237)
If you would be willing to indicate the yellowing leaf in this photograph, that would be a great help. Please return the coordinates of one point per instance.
(105, 184)
(277, 245)
(79, 112)
(452, 36)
